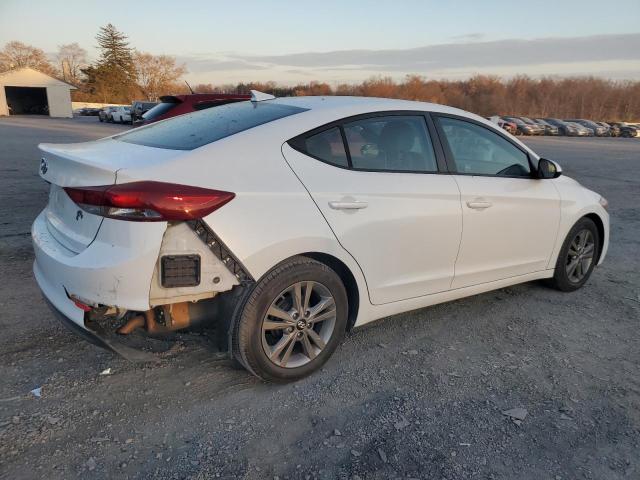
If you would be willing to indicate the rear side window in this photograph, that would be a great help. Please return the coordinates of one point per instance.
(328, 147)
(193, 130)
(393, 143)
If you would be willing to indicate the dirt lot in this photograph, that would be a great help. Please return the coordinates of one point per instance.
(419, 395)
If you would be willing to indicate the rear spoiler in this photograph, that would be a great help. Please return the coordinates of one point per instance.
(169, 99)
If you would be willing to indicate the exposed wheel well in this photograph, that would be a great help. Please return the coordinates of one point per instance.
(600, 226)
(347, 278)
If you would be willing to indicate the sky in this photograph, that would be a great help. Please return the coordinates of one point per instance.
(349, 40)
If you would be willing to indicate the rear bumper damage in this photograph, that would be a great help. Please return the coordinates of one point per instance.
(116, 283)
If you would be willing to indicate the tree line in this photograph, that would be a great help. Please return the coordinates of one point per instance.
(573, 97)
(122, 74)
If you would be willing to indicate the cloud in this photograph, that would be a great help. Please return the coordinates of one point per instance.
(611, 56)
(469, 36)
(203, 64)
(469, 54)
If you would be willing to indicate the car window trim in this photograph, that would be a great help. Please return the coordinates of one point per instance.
(448, 154)
(298, 142)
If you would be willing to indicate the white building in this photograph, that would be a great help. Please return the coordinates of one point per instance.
(28, 91)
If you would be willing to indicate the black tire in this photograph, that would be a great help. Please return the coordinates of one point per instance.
(247, 335)
(561, 279)
(101, 120)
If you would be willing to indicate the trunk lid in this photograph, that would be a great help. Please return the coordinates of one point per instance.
(81, 165)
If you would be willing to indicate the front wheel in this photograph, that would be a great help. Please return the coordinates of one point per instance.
(577, 257)
(291, 322)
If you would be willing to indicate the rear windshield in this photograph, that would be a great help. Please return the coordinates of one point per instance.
(196, 129)
(158, 110)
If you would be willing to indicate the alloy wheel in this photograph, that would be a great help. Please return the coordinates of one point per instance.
(298, 324)
(580, 256)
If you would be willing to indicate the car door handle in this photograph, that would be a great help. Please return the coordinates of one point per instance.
(348, 205)
(479, 204)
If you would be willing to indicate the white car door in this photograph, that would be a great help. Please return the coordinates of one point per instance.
(510, 218)
(385, 201)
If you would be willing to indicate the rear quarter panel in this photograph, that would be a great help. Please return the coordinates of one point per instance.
(272, 216)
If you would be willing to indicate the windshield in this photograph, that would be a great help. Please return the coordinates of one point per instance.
(158, 110)
(193, 130)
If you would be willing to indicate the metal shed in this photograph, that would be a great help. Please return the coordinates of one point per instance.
(25, 91)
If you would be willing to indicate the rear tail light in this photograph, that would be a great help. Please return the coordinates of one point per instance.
(149, 201)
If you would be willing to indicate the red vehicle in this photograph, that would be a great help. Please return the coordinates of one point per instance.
(173, 105)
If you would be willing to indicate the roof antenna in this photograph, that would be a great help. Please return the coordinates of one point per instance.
(189, 87)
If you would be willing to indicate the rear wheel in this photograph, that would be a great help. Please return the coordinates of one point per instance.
(577, 257)
(291, 322)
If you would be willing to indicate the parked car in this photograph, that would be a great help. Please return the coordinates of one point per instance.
(121, 115)
(91, 111)
(265, 212)
(614, 130)
(548, 128)
(598, 130)
(564, 128)
(581, 129)
(624, 129)
(139, 108)
(507, 126)
(608, 129)
(105, 114)
(172, 105)
(636, 126)
(538, 129)
(522, 128)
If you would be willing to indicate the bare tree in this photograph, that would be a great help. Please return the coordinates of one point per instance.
(17, 55)
(157, 74)
(72, 58)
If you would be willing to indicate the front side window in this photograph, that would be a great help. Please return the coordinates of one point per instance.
(392, 143)
(193, 130)
(477, 150)
(328, 147)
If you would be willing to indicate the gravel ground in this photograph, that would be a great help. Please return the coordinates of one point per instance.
(419, 395)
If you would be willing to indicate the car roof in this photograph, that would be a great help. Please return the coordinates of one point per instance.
(323, 110)
(339, 104)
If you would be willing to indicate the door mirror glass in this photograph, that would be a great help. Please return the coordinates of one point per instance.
(548, 169)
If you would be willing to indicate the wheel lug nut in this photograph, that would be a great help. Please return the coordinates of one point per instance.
(290, 329)
(299, 334)
(307, 313)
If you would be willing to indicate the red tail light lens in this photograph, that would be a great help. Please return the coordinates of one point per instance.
(149, 201)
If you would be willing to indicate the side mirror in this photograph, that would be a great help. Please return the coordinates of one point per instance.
(548, 169)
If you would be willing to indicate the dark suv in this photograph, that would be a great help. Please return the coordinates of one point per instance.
(624, 129)
(139, 108)
(172, 105)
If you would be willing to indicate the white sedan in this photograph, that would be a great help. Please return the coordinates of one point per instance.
(121, 115)
(288, 221)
